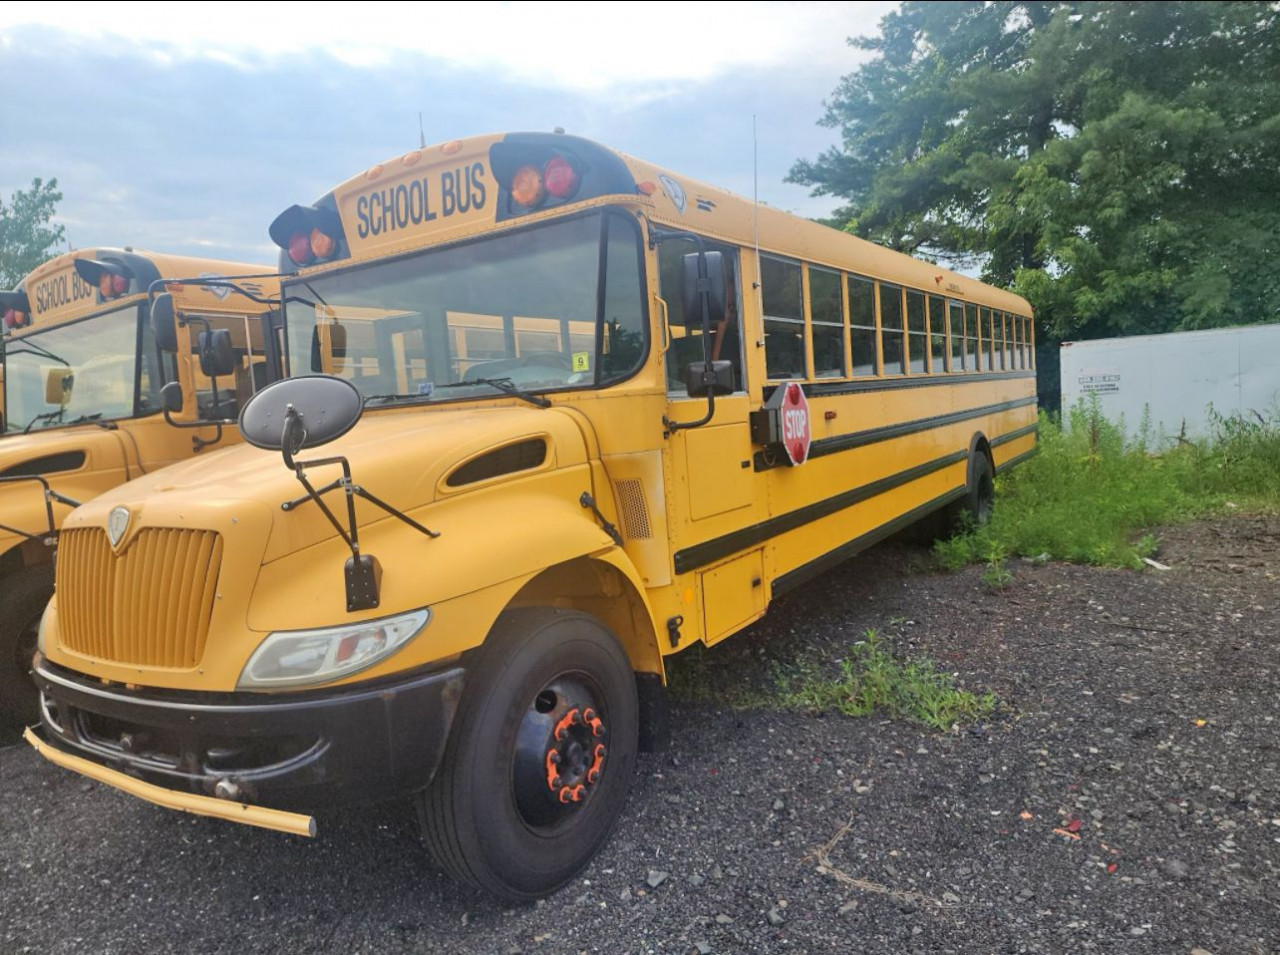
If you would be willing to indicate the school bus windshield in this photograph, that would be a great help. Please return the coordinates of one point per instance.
(86, 370)
(550, 307)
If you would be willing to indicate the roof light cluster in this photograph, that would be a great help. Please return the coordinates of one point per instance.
(308, 235)
(111, 279)
(16, 319)
(531, 185)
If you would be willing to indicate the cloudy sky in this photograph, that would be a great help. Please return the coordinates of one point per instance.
(187, 127)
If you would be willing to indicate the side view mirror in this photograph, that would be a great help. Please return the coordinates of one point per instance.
(171, 397)
(58, 383)
(217, 354)
(164, 323)
(299, 413)
(702, 379)
(691, 289)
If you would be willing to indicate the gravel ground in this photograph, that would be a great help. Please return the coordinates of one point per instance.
(1125, 799)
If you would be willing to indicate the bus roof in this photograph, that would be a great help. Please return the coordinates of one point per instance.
(460, 188)
(58, 291)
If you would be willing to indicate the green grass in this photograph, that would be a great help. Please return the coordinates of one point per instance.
(870, 679)
(1093, 490)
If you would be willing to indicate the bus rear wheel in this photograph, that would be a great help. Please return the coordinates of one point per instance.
(23, 596)
(539, 761)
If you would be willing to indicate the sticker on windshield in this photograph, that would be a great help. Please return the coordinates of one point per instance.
(426, 387)
(582, 361)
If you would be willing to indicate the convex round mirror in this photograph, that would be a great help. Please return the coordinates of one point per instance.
(325, 408)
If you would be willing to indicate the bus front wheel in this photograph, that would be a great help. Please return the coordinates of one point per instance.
(23, 596)
(539, 761)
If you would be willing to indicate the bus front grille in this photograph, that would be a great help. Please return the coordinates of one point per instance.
(148, 605)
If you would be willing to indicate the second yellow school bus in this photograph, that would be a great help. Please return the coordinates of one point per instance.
(82, 377)
(579, 413)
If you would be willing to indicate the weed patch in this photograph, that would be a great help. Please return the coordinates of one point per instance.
(1093, 489)
(871, 679)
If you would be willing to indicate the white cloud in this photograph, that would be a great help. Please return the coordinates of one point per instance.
(585, 47)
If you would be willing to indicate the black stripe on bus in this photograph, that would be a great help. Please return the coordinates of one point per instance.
(806, 572)
(858, 439)
(1001, 468)
(821, 390)
(1015, 435)
(699, 555)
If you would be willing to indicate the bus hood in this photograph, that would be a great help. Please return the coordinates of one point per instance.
(403, 456)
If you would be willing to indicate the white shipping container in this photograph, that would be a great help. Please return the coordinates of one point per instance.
(1177, 376)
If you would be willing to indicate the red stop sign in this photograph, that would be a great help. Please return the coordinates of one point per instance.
(795, 423)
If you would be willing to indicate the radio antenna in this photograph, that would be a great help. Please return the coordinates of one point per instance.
(422, 136)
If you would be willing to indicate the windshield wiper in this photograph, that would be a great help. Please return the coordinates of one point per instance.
(94, 419)
(504, 385)
(42, 417)
(396, 397)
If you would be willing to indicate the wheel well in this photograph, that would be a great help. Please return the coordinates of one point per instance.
(26, 554)
(603, 591)
(979, 444)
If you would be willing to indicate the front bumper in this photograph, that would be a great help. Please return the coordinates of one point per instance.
(297, 751)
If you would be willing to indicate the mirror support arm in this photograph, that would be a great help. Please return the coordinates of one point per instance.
(362, 570)
(704, 296)
(51, 497)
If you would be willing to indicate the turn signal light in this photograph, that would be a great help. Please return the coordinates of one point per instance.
(527, 187)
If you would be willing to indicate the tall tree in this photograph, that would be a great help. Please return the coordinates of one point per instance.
(1114, 162)
(26, 236)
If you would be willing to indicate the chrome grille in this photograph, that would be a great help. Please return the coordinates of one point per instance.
(146, 606)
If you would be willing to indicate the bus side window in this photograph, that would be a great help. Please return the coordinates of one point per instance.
(862, 316)
(686, 331)
(892, 331)
(781, 292)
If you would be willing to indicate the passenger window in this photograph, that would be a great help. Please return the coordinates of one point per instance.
(973, 335)
(783, 319)
(992, 341)
(826, 314)
(686, 336)
(937, 335)
(958, 349)
(917, 338)
(862, 316)
(892, 332)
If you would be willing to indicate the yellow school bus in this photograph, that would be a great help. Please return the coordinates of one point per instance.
(577, 413)
(82, 377)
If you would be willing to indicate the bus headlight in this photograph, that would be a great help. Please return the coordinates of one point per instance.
(303, 657)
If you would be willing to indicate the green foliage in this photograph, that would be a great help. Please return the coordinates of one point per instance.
(1114, 162)
(1092, 487)
(26, 237)
(871, 680)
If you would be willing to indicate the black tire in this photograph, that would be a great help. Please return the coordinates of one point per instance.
(491, 816)
(980, 496)
(23, 596)
(974, 507)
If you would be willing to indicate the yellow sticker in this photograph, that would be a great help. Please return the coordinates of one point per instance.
(582, 361)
